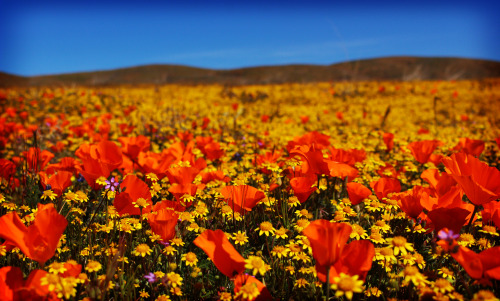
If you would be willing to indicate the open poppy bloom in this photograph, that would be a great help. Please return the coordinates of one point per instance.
(422, 150)
(302, 187)
(244, 279)
(470, 146)
(163, 223)
(327, 240)
(356, 259)
(242, 197)
(39, 240)
(37, 159)
(128, 201)
(388, 140)
(99, 160)
(384, 186)
(225, 257)
(331, 251)
(451, 218)
(312, 160)
(319, 140)
(480, 182)
(14, 287)
(132, 146)
(182, 181)
(410, 201)
(483, 266)
(357, 192)
(58, 182)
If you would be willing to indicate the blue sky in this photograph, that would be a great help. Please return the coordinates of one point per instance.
(50, 37)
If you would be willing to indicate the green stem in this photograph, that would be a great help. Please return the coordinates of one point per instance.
(328, 283)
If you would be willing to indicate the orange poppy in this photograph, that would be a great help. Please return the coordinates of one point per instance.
(349, 157)
(242, 279)
(440, 182)
(388, 140)
(222, 253)
(327, 240)
(163, 223)
(39, 240)
(58, 182)
(410, 201)
(14, 287)
(483, 266)
(422, 150)
(319, 140)
(132, 146)
(37, 159)
(341, 170)
(450, 218)
(65, 164)
(357, 192)
(470, 146)
(480, 182)
(491, 212)
(302, 187)
(242, 197)
(312, 159)
(356, 259)
(133, 189)
(384, 186)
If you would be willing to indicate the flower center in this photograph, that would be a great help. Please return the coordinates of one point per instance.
(346, 284)
(399, 241)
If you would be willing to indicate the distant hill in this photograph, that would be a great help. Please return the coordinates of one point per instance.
(389, 68)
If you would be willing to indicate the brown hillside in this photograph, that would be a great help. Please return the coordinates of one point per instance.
(390, 68)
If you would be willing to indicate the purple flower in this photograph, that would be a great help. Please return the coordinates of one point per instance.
(112, 184)
(165, 243)
(447, 235)
(150, 277)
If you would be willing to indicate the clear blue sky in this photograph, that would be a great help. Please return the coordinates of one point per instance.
(50, 37)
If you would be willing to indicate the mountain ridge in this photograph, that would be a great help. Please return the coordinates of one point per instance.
(398, 68)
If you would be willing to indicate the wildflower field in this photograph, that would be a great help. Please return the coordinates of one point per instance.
(362, 191)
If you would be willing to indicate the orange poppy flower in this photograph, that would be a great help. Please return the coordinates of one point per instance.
(222, 253)
(58, 182)
(342, 170)
(39, 240)
(99, 160)
(163, 223)
(491, 212)
(65, 164)
(440, 182)
(133, 189)
(242, 279)
(319, 140)
(242, 197)
(483, 266)
(132, 146)
(312, 160)
(349, 157)
(14, 287)
(37, 159)
(422, 150)
(209, 176)
(451, 218)
(388, 140)
(357, 192)
(470, 146)
(356, 259)
(480, 182)
(384, 186)
(410, 201)
(327, 240)
(182, 181)
(302, 187)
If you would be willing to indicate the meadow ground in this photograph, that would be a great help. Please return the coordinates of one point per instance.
(381, 189)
